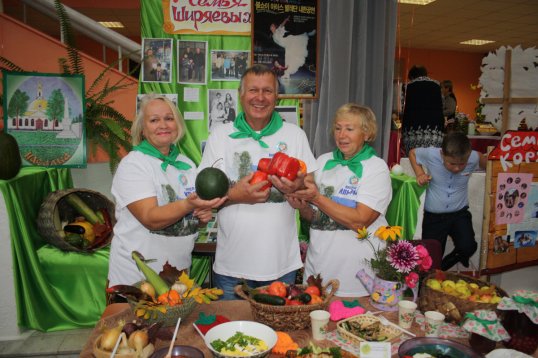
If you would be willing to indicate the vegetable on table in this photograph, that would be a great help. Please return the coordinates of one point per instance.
(82, 208)
(269, 299)
(152, 277)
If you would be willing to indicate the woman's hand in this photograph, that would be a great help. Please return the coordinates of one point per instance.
(202, 204)
(309, 192)
(287, 186)
(203, 215)
(296, 203)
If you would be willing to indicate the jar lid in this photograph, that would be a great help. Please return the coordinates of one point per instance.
(485, 323)
(524, 301)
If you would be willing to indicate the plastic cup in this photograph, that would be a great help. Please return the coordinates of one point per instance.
(434, 320)
(406, 313)
(320, 321)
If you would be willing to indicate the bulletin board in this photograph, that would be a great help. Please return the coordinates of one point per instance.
(510, 228)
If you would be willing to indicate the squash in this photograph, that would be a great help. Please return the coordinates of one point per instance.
(211, 183)
(10, 156)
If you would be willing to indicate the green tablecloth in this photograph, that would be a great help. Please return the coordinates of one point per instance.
(403, 208)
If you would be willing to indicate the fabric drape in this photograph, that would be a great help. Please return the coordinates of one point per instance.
(356, 64)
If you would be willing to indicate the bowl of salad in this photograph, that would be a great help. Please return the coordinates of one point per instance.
(240, 339)
(433, 347)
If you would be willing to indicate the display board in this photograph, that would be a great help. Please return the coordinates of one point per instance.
(510, 228)
(202, 68)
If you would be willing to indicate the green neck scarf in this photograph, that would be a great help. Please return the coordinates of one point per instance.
(525, 301)
(354, 164)
(170, 159)
(245, 131)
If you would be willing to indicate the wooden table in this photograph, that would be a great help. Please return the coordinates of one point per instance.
(234, 310)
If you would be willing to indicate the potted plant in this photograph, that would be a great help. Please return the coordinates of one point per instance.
(396, 264)
(105, 127)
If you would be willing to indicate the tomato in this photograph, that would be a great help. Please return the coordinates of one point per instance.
(313, 290)
(277, 288)
(294, 303)
(315, 299)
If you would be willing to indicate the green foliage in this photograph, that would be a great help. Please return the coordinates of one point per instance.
(105, 127)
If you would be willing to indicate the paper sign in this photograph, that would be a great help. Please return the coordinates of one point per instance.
(375, 349)
(191, 94)
(193, 116)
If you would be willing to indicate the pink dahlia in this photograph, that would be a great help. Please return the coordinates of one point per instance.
(426, 263)
(422, 251)
(403, 256)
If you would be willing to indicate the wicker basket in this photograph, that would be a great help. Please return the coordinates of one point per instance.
(169, 318)
(454, 308)
(388, 331)
(56, 201)
(288, 318)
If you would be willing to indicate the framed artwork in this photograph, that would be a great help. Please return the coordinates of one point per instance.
(222, 104)
(228, 65)
(285, 38)
(192, 62)
(45, 114)
(157, 60)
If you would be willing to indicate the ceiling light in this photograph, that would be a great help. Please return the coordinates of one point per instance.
(416, 2)
(476, 42)
(112, 24)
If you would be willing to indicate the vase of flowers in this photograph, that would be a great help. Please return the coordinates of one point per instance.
(396, 265)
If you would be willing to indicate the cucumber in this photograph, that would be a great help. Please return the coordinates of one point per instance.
(269, 299)
(303, 297)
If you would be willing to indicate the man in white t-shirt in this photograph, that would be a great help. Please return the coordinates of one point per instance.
(257, 237)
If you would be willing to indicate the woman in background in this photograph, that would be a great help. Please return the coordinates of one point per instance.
(449, 104)
(423, 122)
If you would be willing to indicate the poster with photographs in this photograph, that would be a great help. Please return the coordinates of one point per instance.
(171, 96)
(222, 104)
(157, 60)
(285, 38)
(512, 194)
(228, 65)
(192, 62)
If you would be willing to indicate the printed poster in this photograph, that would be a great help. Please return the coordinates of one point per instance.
(512, 194)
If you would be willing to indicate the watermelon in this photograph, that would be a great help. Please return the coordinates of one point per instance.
(10, 156)
(211, 183)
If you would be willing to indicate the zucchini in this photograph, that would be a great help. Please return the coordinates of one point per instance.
(303, 297)
(269, 299)
(83, 209)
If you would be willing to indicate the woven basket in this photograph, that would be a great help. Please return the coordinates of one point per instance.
(172, 312)
(387, 331)
(56, 201)
(454, 308)
(288, 318)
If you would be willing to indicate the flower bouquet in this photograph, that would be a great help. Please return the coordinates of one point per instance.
(397, 264)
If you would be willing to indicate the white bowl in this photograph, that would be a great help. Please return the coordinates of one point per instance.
(249, 328)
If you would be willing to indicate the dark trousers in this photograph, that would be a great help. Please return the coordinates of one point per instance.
(459, 226)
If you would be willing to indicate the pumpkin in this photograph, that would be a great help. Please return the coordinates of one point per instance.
(10, 156)
(211, 183)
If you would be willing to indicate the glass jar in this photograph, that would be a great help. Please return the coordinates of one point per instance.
(481, 344)
(523, 333)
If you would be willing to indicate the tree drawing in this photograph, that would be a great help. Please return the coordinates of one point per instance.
(18, 104)
(55, 106)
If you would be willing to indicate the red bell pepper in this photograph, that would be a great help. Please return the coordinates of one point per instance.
(258, 177)
(280, 165)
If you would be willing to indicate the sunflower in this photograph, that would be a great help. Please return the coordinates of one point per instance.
(389, 232)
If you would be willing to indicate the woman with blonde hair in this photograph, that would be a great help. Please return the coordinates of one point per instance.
(352, 190)
(157, 209)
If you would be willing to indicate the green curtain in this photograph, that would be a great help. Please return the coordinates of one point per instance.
(38, 289)
(151, 18)
(403, 208)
